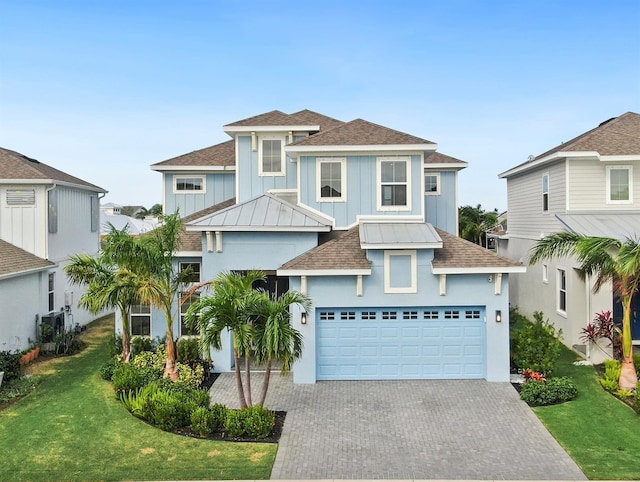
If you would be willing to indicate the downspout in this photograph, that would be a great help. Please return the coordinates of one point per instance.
(99, 226)
(589, 303)
(46, 220)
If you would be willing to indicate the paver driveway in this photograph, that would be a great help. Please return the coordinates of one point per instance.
(433, 429)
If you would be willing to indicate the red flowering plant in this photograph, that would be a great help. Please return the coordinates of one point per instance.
(533, 375)
(603, 326)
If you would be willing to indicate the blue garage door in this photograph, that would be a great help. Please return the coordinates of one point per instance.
(400, 343)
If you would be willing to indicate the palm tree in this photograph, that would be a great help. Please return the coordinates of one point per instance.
(610, 260)
(228, 307)
(474, 222)
(274, 337)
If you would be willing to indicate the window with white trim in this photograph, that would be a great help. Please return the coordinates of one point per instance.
(619, 184)
(271, 157)
(140, 320)
(192, 269)
(184, 307)
(432, 184)
(545, 193)
(394, 183)
(52, 291)
(562, 291)
(189, 184)
(545, 273)
(400, 271)
(331, 178)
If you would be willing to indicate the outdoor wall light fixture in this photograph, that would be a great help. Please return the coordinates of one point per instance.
(303, 318)
(498, 316)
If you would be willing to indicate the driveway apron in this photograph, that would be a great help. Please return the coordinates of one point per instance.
(427, 429)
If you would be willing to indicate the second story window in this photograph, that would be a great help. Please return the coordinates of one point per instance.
(432, 184)
(545, 193)
(619, 185)
(193, 271)
(52, 291)
(394, 189)
(271, 162)
(189, 184)
(331, 174)
(140, 320)
(562, 291)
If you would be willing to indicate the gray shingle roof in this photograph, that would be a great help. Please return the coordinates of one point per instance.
(360, 132)
(278, 118)
(193, 241)
(15, 260)
(223, 154)
(439, 158)
(14, 165)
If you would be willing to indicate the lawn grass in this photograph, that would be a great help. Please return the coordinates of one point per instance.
(72, 428)
(601, 433)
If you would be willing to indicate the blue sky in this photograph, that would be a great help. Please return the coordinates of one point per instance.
(102, 90)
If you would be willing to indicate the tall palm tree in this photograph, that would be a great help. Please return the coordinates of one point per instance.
(228, 307)
(274, 339)
(610, 260)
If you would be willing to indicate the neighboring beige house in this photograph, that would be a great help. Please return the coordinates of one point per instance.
(588, 185)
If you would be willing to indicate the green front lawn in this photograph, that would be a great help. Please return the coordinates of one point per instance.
(600, 433)
(72, 428)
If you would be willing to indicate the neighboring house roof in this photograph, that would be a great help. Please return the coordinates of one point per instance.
(619, 225)
(390, 235)
(263, 213)
(119, 221)
(340, 254)
(222, 155)
(459, 256)
(16, 261)
(619, 136)
(276, 118)
(193, 241)
(18, 167)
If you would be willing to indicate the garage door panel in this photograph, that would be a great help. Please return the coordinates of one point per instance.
(414, 343)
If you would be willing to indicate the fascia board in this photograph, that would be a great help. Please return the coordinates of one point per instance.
(293, 151)
(446, 165)
(255, 229)
(324, 272)
(16, 274)
(259, 129)
(551, 157)
(194, 168)
(480, 270)
(401, 246)
(45, 182)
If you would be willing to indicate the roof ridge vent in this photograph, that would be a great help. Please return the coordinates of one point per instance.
(606, 122)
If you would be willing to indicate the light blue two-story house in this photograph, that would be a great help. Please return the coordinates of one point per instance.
(362, 219)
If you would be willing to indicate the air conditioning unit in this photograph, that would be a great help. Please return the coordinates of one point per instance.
(55, 320)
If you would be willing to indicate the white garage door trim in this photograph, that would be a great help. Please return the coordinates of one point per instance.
(400, 343)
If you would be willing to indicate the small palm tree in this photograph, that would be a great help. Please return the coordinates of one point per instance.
(610, 260)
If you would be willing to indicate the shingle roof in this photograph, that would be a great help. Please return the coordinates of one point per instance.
(439, 158)
(341, 253)
(309, 117)
(193, 241)
(223, 154)
(360, 132)
(14, 165)
(16, 260)
(278, 118)
(460, 253)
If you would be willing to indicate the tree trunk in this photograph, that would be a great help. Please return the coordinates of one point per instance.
(265, 383)
(628, 377)
(247, 369)
(126, 346)
(170, 366)
(236, 357)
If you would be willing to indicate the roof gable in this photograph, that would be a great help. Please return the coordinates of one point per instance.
(223, 155)
(14, 261)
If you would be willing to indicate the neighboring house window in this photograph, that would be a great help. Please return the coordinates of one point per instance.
(545, 193)
(189, 185)
(400, 271)
(562, 291)
(52, 201)
(140, 320)
(545, 273)
(394, 188)
(432, 184)
(52, 291)
(332, 177)
(619, 184)
(21, 197)
(184, 307)
(194, 271)
(94, 214)
(271, 157)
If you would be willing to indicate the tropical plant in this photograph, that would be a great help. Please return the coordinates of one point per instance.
(536, 346)
(609, 260)
(474, 222)
(603, 326)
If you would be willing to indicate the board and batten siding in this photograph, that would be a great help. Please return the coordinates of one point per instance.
(441, 209)
(25, 225)
(218, 188)
(588, 185)
(524, 200)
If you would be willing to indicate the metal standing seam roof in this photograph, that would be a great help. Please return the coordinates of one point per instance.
(399, 236)
(15, 260)
(193, 241)
(617, 225)
(263, 213)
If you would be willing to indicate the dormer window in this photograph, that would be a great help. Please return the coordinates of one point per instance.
(331, 174)
(271, 157)
(189, 185)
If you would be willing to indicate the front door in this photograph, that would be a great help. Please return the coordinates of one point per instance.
(635, 315)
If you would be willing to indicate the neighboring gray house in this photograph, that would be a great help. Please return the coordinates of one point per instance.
(588, 185)
(46, 216)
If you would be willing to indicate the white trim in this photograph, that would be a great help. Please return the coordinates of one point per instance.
(209, 235)
(262, 229)
(566, 291)
(359, 286)
(413, 256)
(194, 168)
(424, 186)
(457, 195)
(452, 166)
(620, 158)
(379, 218)
(188, 254)
(443, 284)
(323, 272)
(546, 174)
(480, 270)
(296, 128)
(343, 179)
(218, 242)
(283, 159)
(407, 183)
(189, 191)
(237, 179)
(164, 193)
(53, 182)
(434, 245)
(545, 273)
(629, 169)
(294, 150)
(303, 285)
(498, 284)
(25, 272)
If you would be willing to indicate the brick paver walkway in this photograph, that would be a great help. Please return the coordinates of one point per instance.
(435, 429)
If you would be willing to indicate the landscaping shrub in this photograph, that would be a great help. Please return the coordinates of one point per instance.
(169, 406)
(609, 385)
(10, 365)
(189, 351)
(140, 344)
(536, 346)
(18, 387)
(149, 359)
(190, 376)
(115, 345)
(108, 367)
(636, 405)
(67, 343)
(129, 377)
(256, 422)
(554, 390)
(205, 420)
(612, 370)
(133, 401)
